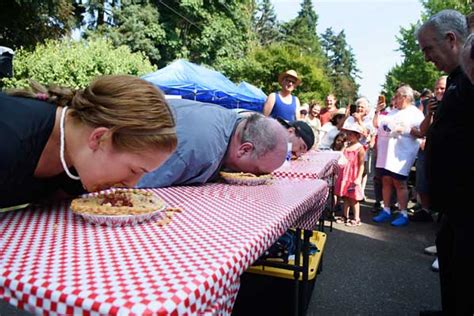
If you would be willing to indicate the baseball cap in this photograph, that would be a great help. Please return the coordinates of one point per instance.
(302, 130)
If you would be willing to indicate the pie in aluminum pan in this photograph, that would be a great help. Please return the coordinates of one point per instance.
(118, 207)
(245, 178)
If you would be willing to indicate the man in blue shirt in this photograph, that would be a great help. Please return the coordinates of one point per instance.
(211, 138)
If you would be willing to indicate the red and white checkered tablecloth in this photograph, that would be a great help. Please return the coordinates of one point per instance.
(53, 262)
(312, 165)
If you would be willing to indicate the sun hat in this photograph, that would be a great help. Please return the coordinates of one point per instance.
(351, 125)
(289, 73)
(302, 130)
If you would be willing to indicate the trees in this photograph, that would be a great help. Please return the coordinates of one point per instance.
(241, 38)
(301, 31)
(265, 24)
(74, 64)
(136, 26)
(341, 65)
(414, 70)
(263, 65)
(24, 23)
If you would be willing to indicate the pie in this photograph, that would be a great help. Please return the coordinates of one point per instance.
(118, 202)
(245, 178)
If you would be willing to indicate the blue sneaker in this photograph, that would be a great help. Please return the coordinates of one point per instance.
(401, 220)
(382, 217)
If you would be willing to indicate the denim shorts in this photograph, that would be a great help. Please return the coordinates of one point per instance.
(396, 176)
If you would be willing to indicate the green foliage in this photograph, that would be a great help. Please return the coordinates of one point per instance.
(136, 26)
(24, 23)
(205, 32)
(265, 23)
(263, 65)
(74, 64)
(301, 31)
(414, 70)
(341, 65)
(434, 6)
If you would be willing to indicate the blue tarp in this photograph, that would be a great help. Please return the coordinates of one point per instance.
(194, 82)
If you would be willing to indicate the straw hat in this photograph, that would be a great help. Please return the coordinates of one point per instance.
(289, 73)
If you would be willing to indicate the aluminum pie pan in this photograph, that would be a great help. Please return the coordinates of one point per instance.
(122, 220)
(232, 179)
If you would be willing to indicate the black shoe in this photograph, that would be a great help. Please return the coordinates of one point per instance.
(431, 313)
(421, 216)
(376, 208)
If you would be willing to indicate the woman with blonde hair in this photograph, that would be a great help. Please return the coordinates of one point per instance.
(55, 138)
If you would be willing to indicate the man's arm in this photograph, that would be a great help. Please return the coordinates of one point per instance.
(269, 104)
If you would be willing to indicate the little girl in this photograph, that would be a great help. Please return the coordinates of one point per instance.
(348, 183)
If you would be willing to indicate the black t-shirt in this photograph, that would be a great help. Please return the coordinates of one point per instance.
(449, 143)
(25, 127)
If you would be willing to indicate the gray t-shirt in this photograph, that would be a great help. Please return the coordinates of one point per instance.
(204, 131)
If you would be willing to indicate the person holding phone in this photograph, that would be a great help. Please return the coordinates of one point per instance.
(396, 151)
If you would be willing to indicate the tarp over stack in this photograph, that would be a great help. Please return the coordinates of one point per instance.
(194, 82)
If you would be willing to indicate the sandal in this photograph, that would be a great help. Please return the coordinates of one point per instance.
(353, 223)
(341, 219)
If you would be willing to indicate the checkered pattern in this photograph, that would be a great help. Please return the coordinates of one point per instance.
(53, 262)
(313, 165)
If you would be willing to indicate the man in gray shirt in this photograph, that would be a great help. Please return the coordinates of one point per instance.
(211, 138)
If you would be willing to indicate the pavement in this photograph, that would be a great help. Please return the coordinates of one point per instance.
(376, 269)
(373, 269)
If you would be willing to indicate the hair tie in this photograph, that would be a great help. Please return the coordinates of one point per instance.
(42, 96)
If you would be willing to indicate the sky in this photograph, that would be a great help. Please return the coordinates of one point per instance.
(371, 27)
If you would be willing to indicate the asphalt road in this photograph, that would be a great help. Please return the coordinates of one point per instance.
(376, 269)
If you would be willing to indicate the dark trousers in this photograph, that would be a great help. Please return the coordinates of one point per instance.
(455, 245)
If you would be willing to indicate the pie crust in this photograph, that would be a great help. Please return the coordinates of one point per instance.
(245, 178)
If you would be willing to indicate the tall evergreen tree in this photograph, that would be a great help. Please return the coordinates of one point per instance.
(341, 65)
(265, 23)
(136, 26)
(301, 31)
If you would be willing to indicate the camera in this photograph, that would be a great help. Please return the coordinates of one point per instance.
(435, 104)
(433, 101)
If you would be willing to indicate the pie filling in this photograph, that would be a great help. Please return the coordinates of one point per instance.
(118, 202)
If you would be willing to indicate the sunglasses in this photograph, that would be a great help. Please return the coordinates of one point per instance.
(290, 81)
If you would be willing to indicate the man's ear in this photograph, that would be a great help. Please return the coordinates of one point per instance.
(97, 136)
(244, 149)
(291, 130)
(451, 38)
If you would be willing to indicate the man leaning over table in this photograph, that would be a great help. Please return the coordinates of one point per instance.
(300, 134)
(212, 138)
